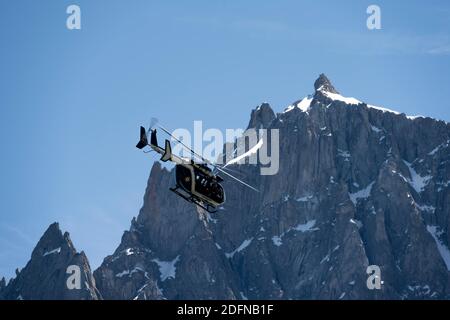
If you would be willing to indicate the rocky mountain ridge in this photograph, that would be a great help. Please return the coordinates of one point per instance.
(358, 185)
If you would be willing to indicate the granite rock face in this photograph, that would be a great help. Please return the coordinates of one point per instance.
(2, 287)
(322, 83)
(45, 275)
(169, 253)
(261, 117)
(358, 185)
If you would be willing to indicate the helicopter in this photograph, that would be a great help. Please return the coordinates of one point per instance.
(195, 181)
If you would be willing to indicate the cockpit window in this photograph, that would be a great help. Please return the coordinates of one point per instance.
(208, 187)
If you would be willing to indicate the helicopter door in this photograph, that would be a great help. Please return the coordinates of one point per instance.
(202, 183)
(208, 187)
(183, 176)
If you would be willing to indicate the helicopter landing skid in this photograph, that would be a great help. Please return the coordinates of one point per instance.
(192, 199)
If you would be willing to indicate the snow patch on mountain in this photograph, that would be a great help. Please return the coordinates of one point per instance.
(243, 245)
(304, 198)
(426, 208)
(308, 226)
(338, 97)
(303, 105)
(57, 250)
(129, 272)
(417, 181)
(304, 227)
(375, 129)
(344, 154)
(354, 101)
(439, 147)
(357, 223)
(361, 194)
(167, 269)
(253, 150)
(277, 241)
(382, 109)
(442, 248)
(442, 185)
(415, 117)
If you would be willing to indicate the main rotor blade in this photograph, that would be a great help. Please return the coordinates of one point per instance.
(228, 169)
(153, 122)
(179, 141)
(207, 161)
(238, 180)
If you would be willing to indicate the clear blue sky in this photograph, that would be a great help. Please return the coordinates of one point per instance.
(71, 101)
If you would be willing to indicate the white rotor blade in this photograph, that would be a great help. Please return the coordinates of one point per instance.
(238, 180)
(153, 121)
(179, 141)
(207, 161)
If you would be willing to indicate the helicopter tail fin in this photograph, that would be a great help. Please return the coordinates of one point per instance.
(153, 140)
(143, 139)
(167, 152)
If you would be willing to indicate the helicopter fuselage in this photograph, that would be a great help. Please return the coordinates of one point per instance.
(197, 182)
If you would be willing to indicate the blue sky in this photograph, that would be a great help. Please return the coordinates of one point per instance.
(71, 101)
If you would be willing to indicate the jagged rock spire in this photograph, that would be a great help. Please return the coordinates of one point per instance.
(324, 84)
(262, 116)
(45, 276)
(2, 284)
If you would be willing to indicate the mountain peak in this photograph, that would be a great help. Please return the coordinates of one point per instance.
(261, 116)
(52, 230)
(45, 275)
(53, 239)
(323, 83)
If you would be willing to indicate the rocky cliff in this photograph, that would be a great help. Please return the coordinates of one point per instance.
(358, 185)
(46, 275)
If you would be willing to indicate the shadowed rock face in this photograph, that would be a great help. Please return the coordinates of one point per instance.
(44, 277)
(323, 83)
(168, 252)
(2, 287)
(357, 186)
(261, 117)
